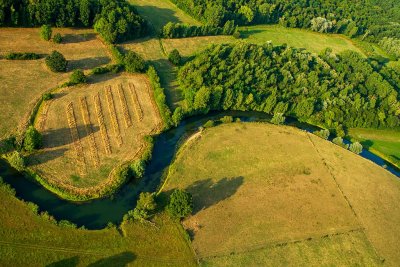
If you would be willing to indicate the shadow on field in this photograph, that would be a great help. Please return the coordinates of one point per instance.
(88, 63)
(70, 262)
(119, 260)
(206, 193)
(93, 79)
(77, 38)
(45, 156)
(367, 143)
(61, 137)
(163, 15)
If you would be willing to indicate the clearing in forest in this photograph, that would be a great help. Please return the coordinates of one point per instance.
(256, 203)
(88, 130)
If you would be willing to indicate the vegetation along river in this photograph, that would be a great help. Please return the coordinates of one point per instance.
(97, 214)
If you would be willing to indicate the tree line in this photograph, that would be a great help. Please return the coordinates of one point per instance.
(369, 18)
(344, 90)
(115, 20)
(180, 30)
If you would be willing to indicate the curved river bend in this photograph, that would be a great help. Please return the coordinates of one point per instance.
(97, 214)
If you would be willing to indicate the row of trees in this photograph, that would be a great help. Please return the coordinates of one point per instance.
(375, 19)
(180, 30)
(391, 46)
(115, 20)
(332, 90)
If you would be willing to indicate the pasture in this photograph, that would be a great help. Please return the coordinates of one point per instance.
(256, 203)
(88, 130)
(23, 82)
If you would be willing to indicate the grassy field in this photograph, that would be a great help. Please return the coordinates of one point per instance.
(291, 210)
(22, 82)
(29, 240)
(88, 130)
(383, 142)
(160, 12)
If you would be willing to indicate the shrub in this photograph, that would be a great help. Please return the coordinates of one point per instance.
(236, 35)
(227, 119)
(56, 62)
(17, 161)
(138, 168)
(278, 119)
(67, 224)
(134, 63)
(8, 144)
(46, 32)
(22, 56)
(77, 77)
(339, 141)
(180, 204)
(175, 58)
(209, 124)
(32, 140)
(47, 96)
(177, 116)
(114, 68)
(144, 206)
(356, 148)
(57, 38)
(324, 134)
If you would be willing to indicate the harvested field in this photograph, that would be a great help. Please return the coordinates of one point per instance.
(254, 203)
(93, 130)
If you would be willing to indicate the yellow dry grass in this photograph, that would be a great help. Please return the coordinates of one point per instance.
(23, 82)
(269, 188)
(105, 138)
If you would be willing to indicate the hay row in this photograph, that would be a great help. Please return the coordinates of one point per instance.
(80, 157)
(89, 131)
(41, 125)
(124, 105)
(156, 113)
(113, 115)
(103, 128)
(136, 103)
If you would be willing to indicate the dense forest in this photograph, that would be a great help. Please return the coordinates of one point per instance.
(372, 19)
(330, 90)
(114, 20)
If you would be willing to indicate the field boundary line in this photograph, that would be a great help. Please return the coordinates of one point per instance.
(89, 131)
(124, 105)
(282, 243)
(80, 157)
(157, 114)
(113, 115)
(136, 103)
(102, 125)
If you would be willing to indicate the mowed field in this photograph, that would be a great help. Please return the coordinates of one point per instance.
(23, 82)
(256, 204)
(386, 142)
(88, 130)
(29, 240)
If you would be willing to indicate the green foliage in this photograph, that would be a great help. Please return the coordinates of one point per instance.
(46, 32)
(134, 63)
(77, 77)
(56, 62)
(177, 116)
(57, 39)
(356, 148)
(47, 96)
(278, 119)
(17, 161)
(145, 206)
(138, 168)
(324, 133)
(113, 68)
(67, 224)
(22, 56)
(391, 46)
(179, 30)
(209, 124)
(180, 204)
(8, 144)
(175, 58)
(227, 119)
(339, 141)
(32, 140)
(320, 24)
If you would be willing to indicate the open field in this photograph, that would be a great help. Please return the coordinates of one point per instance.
(384, 142)
(291, 210)
(23, 82)
(160, 12)
(88, 130)
(42, 243)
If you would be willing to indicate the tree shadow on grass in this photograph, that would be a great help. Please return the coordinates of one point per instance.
(70, 262)
(87, 63)
(206, 193)
(61, 137)
(164, 15)
(77, 38)
(367, 143)
(119, 260)
(44, 156)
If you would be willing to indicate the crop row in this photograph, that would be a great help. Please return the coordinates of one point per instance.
(124, 105)
(136, 103)
(102, 125)
(113, 115)
(89, 132)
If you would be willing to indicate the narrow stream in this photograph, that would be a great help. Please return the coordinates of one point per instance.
(97, 214)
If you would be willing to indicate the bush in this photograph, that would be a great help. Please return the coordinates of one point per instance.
(47, 96)
(114, 68)
(8, 144)
(236, 35)
(46, 32)
(209, 124)
(56, 62)
(177, 116)
(32, 140)
(339, 141)
(324, 134)
(67, 224)
(22, 56)
(180, 204)
(134, 63)
(278, 119)
(57, 38)
(77, 77)
(356, 148)
(138, 168)
(227, 119)
(175, 58)
(144, 206)
(17, 161)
